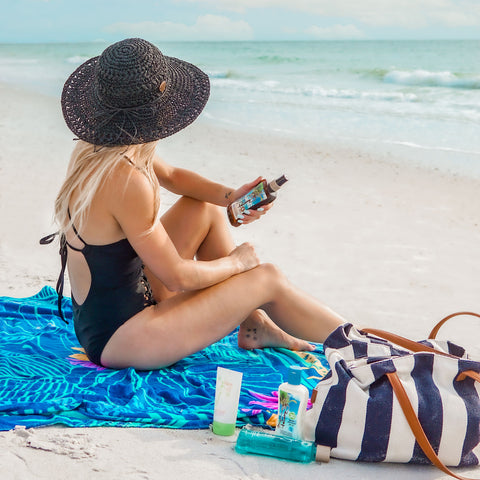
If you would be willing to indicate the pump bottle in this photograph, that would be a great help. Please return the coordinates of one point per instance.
(292, 404)
(260, 195)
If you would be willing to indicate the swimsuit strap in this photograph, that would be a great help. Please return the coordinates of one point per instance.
(77, 234)
(63, 256)
(61, 278)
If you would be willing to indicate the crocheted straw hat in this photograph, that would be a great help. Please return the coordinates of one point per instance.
(132, 94)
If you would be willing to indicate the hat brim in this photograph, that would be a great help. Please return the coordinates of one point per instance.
(183, 100)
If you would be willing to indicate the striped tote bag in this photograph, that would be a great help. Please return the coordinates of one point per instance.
(390, 399)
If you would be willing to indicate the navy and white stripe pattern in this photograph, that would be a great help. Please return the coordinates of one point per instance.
(357, 414)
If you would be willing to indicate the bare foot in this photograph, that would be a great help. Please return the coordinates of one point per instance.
(259, 331)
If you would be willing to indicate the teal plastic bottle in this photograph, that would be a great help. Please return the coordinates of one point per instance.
(273, 445)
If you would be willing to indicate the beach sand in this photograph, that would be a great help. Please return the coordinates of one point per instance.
(385, 243)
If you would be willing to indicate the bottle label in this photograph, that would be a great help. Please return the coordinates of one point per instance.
(248, 201)
(289, 406)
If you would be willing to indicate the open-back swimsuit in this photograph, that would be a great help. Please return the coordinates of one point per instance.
(118, 291)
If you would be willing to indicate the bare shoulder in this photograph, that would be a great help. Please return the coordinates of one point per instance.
(130, 197)
(126, 182)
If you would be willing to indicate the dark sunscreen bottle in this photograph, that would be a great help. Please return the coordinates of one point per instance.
(261, 194)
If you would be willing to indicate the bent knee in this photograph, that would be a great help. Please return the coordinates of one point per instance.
(271, 273)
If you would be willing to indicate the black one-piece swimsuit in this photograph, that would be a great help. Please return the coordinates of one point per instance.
(118, 291)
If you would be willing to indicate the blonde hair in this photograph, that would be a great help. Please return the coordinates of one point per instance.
(89, 168)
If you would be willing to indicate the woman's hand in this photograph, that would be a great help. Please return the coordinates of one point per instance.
(244, 189)
(251, 215)
(246, 257)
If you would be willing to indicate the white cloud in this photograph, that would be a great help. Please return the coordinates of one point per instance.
(335, 32)
(207, 27)
(405, 13)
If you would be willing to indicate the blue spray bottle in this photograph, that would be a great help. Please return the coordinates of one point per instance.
(262, 442)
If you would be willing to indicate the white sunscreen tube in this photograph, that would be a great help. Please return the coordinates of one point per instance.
(227, 395)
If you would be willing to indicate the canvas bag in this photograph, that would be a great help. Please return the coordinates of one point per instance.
(390, 399)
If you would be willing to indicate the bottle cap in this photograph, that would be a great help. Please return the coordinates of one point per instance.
(276, 184)
(322, 453)
(294, 375)
(223, 429)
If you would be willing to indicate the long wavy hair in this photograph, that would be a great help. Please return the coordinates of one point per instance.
(89, 168)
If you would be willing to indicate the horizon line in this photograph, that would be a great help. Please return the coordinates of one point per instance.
(433, 39)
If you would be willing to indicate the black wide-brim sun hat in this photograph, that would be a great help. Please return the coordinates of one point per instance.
(132, 94)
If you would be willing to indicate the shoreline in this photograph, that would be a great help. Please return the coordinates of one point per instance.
(444, 160)
(449, 161)
(386, 244)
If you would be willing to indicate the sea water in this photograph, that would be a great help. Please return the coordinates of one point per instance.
(420, 97)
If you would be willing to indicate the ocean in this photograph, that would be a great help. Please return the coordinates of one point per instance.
(417, 98)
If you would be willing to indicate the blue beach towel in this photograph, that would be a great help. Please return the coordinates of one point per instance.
(46, 379)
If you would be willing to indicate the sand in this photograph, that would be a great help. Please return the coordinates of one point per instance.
(385, 243)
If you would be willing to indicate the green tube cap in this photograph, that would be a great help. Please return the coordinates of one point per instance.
(224, 429)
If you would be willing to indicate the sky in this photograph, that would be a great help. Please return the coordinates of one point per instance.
(41, 21)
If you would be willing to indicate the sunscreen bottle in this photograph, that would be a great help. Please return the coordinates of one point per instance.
(227, 395)
(261, 194)
(292, 405)
(261, 442)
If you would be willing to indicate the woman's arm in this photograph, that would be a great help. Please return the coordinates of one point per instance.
(191, 184)
(132, 207)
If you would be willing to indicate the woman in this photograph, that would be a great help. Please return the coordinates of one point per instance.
(192, 286)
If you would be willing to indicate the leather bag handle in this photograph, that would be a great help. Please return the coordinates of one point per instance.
(468, 373)
(417, 346)
(415, 424)
(405, 342)
(436, 328)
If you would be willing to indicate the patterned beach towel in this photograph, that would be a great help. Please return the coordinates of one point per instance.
(45, 377)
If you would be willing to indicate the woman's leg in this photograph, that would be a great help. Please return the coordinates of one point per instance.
(179, 326)
(200, 230)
